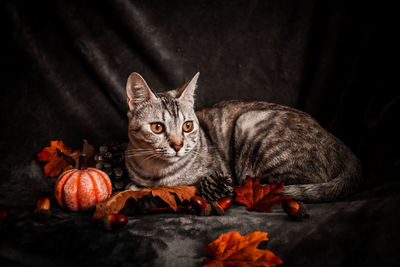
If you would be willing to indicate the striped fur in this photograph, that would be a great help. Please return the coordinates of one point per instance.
(258, 139)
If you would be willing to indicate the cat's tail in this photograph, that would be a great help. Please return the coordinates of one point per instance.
(346, 183)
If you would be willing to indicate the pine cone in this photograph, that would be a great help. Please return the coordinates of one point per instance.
(213, 187)
(111, 160)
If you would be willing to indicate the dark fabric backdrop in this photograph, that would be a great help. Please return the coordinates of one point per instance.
(65, 64)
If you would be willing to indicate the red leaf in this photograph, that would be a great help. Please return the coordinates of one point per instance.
(259, 197)
(55, 164)
(233, 249)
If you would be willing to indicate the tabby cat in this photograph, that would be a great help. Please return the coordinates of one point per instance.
(171, 144)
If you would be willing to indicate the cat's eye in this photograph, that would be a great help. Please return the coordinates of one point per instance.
(157, 127)
(187, 126)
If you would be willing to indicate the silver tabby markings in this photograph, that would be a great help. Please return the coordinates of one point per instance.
(171, 144)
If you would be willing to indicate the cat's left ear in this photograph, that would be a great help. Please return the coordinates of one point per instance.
(186, 92)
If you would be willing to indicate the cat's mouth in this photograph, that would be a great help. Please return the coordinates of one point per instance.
(173, 157)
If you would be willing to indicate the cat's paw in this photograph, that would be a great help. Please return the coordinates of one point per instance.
(133, 187)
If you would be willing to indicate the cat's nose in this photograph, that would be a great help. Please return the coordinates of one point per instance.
(176, 147)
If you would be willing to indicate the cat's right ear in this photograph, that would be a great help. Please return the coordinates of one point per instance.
(137, 91)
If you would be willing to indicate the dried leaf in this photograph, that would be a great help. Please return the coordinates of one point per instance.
(55, 164)
(167, 194)
(233, 249)
(259, 197)
(116, 202)
(169, 209)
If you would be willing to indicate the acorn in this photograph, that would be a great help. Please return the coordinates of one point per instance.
(222, 204)
(43, 203)
(225, 202)
(42, 210)
(296, 210)
(114, 221)
(199, 204)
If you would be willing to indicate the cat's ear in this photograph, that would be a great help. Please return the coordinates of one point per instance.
(186, 92)
(137, 90)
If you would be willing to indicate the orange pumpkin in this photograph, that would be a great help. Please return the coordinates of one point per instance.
(80, 189)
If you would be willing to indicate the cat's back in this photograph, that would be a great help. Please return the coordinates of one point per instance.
(220, 120)
(229, 111)
(257, 137)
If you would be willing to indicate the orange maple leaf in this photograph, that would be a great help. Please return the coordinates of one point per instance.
(117, 201)
(233, 249)
(56, 164)
(259, 197)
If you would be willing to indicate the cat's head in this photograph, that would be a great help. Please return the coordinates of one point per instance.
(162, 126)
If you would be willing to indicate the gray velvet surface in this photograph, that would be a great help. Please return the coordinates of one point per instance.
(360, 231)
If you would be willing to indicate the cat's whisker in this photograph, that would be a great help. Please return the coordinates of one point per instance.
(208, 147)
(138, 150)
(144, 151)
(143, 154)
(152, 156)
(194, 153)
(138, 154)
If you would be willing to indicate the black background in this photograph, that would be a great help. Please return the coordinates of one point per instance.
(65, 65)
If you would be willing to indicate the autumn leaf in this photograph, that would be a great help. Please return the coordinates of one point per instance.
(233, 249)
(117, 201)
(55, 163)
(259, 197)
(167, 194)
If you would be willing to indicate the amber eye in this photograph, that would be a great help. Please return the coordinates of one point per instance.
(187, 126)
(157, 127)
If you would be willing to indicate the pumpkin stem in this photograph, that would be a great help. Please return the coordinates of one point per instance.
(82, 161)
(65, 157)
